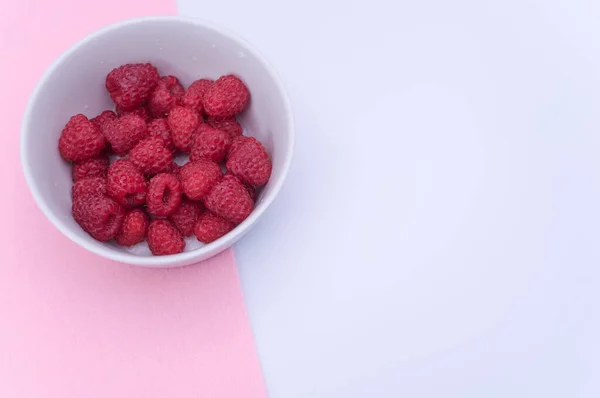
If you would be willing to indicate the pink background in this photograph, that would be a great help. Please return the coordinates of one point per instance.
(75, 325)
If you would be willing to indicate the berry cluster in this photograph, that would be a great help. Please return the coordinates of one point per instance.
(143, 194)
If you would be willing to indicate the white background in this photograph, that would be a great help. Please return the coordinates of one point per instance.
(438, 234)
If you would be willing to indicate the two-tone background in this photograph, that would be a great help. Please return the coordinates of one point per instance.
(437, 235)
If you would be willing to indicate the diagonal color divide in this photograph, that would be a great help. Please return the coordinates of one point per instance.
(73, 324)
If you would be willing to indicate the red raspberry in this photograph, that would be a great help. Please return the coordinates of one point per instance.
(164, 195)
(160, 128)
(80, 140)
(210, 143)
(124, 133)
(141, 111)
(130, 85)
(195, 93)
(94, 167)
(186, 216)
(126, 184)
(251, 189)
(163, 238)
(167, 94)
(151, 157)
(235, 144)
(134, 228)
(172, 84)
(98, 215)
(201, 86)
(230, 200)
(226, 97)
(93, 186)
(199, 177)
(183, 122)
(248, 160)
(161, 102)
(192, 100)
(103, 119)
(211, 227)
(229, 125)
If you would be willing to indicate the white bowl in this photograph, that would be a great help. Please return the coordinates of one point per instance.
(189, 49)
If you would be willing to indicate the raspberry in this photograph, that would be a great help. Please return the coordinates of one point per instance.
(186, 216)
(130, 85)
(248, 160)
(210, 143)
(126, 184)
(226, 97)
(141, 111)
(125, 132)
(161, 102)
(164, 195)
(235, 144)
(163, 238)
(98, 215)
(249, 188)
(183, 122)
(167, 94)
(201, 86)
(94, 167)
(195, 93)
(103, 119)
(151, 157)
(81, 193)
(229, 125)
(93, 186)
(211, 227)
(192, 100)
(160, 128)
(134, 228)
(199, 177)
(172, 84)
(80, 140)
(230, 200)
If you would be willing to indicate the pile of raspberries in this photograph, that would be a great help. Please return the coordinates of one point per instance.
(143, 194)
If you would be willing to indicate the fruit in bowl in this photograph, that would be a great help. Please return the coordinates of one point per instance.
(142, 187)
(150, 116)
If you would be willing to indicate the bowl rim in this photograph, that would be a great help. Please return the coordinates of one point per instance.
(184, 258)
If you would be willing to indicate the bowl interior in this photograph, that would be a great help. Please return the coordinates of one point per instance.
(187, 49)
